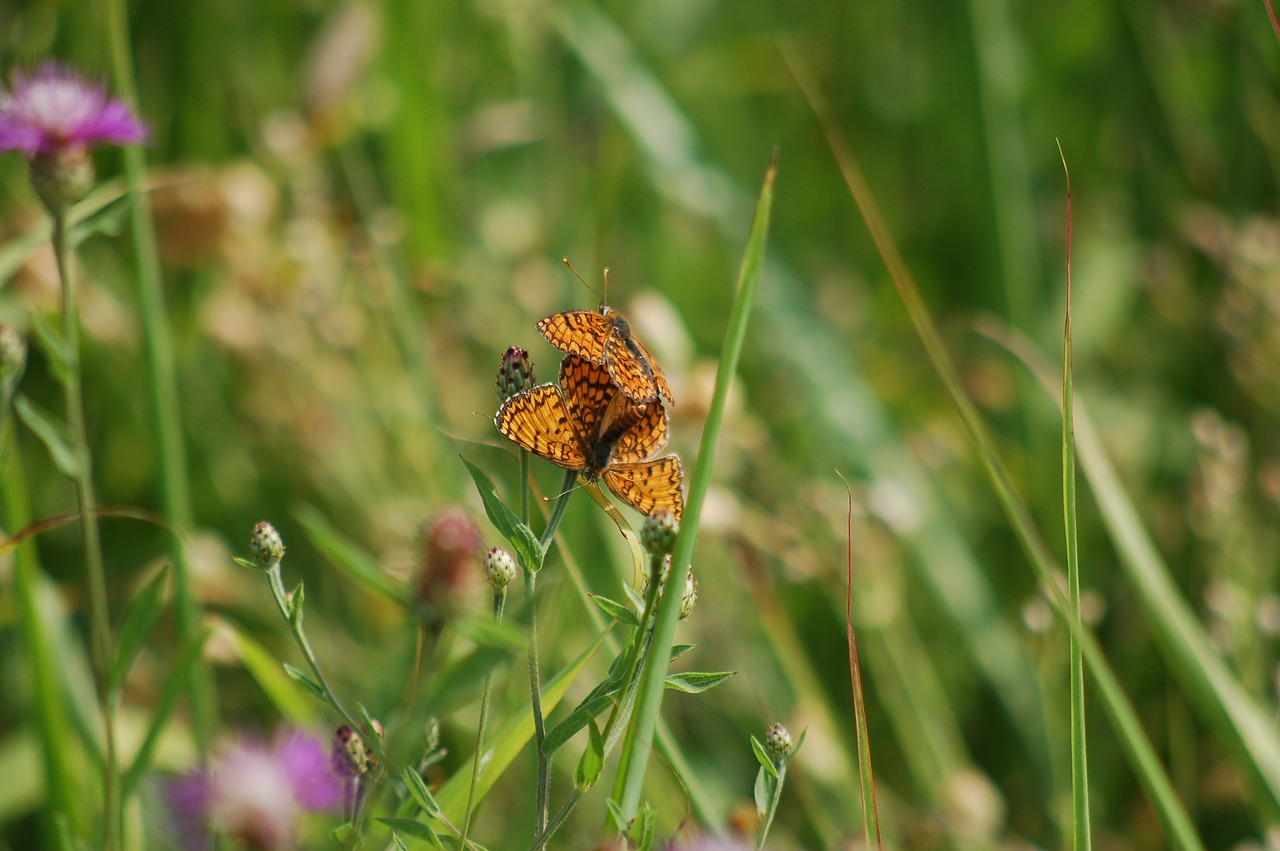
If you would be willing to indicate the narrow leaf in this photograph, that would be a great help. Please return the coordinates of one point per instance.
(696, 682)
(520, 536)
(763, 791)
(762, 757)
(617, 611)
(419, 792)
(51, 433)
(416, 829)
(350, 560)
(140, 618)
(592, 761)
(302, 679)
(55, 347)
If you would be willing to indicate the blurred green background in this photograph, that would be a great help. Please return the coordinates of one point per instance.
(361, 204)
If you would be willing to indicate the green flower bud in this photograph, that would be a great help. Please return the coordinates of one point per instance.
(778, 742)
(265, 545)
(658, 534)
(499, 568)
(515, 373)
(689, 598)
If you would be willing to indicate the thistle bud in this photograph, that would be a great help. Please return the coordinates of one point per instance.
(515, 373)
(499, 569)
(658, 534)
(451, 547)
(689, 598)
(265, 545)
(778, 742)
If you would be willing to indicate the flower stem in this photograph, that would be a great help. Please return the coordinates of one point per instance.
(95, 570)
(499, 603)
(773, 806)
(171, 460)
(535, 677)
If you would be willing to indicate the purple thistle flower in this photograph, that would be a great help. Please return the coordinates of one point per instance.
(254, 792)
(55, 109)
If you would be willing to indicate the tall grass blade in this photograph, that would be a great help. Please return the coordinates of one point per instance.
(652, 680)
(1208, 683)
(1129, 731)
(1079, 752)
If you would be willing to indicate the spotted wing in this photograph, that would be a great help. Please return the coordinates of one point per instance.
(593, 400)
(578, 332)
(648, 485)
(639, 433)
(539, 420)
(623, 352)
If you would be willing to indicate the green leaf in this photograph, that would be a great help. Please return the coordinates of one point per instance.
(644, 828)
(592, 761)
(419, 792)
(109, 220)
(284, 692)
(799, 744)
(175, 687)
(762, 757)
(416, 829)
(509, 739)
(140, 618)
(369, 732)
(486, 632)
(696, 682)
(521, 537)
(351, 561)
(302, 679)
(600, 699)
(295, 601)
(617, 611)
(616, 817)
(678, 650)
(51, 433)
(763, 792)
(55, 347)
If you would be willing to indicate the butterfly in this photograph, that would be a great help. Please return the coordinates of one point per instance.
(587, 424)
(604, 337)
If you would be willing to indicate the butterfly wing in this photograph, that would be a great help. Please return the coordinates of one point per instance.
(593, 401)
(578, 332)
(639, 433)
(539, 421)
(632, 365)
(648, 486)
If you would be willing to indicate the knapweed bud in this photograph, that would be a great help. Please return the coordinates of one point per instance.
(499, 569)
(451, 547)
(515, 373)
(350, 757)
(658, 534)
(62, 177)
(13, 360)
(265, 545)
(689, 598)
(778, 742)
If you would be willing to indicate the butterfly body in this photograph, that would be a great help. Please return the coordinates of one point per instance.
(604, 337)
(588, 425)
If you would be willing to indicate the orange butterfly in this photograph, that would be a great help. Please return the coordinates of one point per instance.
(587, 425)
(603, 336)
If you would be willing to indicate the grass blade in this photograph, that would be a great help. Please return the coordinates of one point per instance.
(653, 678)
(1129, 731)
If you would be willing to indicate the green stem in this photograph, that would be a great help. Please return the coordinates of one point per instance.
(49, 710)
(95, 570)
(621, 712)
(535, 676)
(171, 460)
(499, 602)
(275, 578)
(773, 807)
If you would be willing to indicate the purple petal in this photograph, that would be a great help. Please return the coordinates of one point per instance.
(308, 766)
(188, 799)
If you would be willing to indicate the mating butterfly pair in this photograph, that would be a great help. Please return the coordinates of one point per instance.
(606, 419)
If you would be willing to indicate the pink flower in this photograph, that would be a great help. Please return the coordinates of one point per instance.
(254, 792)
(55, 109)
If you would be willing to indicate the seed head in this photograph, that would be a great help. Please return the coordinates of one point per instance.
(689, 598)
(266, 547)
(499, 569)
(515, 373)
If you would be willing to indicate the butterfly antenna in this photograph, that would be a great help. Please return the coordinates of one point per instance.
(605, 300)
(565, 261)
(564, 493)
